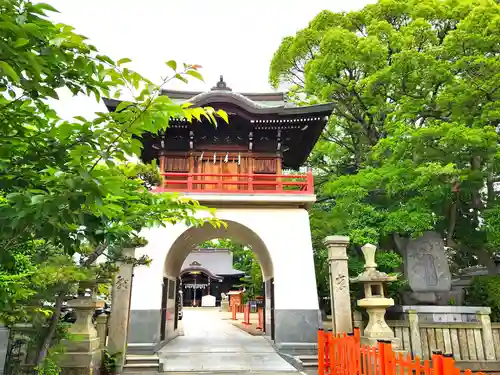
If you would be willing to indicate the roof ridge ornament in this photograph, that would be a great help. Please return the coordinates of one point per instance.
(221, 85)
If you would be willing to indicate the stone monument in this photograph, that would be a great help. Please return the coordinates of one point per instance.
(427, 270)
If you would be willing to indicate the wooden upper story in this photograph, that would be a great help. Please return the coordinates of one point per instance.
(264, 137)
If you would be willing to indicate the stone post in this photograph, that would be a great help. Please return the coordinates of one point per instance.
(416, 344)
(4, 343)
(339, 283)
(487, 334)
(357, 320)
(82, 355)
(120, 309)
(102, 329)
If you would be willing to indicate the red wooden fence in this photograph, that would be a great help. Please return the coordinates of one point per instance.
(343, 354)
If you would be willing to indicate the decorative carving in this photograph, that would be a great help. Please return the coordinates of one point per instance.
(427, 265)
(221, 85)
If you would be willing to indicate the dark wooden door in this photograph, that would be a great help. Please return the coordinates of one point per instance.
(272, 309)
(177, 303)
(163, 311)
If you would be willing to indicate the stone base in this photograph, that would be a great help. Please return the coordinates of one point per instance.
(438, 314)
(224, 306)
(296, 326)
(144, 326)
(78, 363)
(433, 298)
(372, 341)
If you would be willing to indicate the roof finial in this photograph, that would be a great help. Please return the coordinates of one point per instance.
(221, 85)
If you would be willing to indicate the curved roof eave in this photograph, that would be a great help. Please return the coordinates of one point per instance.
(253, 107)
(201, 269)
(217, 97)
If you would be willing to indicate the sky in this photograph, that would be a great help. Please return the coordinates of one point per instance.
(230, 37)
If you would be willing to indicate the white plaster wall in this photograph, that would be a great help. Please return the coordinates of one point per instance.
(284, 231)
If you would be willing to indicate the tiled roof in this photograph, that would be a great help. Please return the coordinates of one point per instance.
(217, 261)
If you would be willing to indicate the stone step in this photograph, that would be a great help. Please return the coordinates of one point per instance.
(138, 367)
(135, 359)
(141, 364)
(308, 361)
(308, 358)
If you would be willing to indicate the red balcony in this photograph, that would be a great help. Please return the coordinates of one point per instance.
(237, 183)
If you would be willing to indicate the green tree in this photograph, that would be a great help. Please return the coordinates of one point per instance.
(66, 188)
(244, 260)
(412, 143)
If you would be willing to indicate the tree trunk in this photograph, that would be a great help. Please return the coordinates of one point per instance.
(486, 259)
(54, 320)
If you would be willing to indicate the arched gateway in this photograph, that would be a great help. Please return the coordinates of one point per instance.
(238, 169)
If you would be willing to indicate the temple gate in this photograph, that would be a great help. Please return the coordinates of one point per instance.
(243, 169)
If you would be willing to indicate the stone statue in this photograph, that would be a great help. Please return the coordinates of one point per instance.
(224, 303)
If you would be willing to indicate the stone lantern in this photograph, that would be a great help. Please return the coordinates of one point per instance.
(375, 301)
(83, 354)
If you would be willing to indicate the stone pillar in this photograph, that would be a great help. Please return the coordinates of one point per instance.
(4, 343)
(416, 343)
(102, 329)
(120, 309)
(357, 320)
(487, 334)
(339, 283)
(82, 355)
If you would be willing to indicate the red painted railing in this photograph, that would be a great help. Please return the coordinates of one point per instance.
(344, 355)
(237, 183)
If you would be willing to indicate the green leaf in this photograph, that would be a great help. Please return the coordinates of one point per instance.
(21, 42)
(35, 199)
(123, 61)
(181, 78)
(104, 58)
(7, 69)
(49, 91)
(44, 6)
(195, 74)
(223, 115)
(172, 64)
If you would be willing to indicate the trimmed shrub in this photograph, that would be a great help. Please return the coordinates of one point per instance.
(485, 291)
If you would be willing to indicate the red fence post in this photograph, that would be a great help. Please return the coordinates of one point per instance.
(233, 311)
(260, 314)
(321, 351)
(246, 314)
(437, 363)
(310, 182)
(381, 357)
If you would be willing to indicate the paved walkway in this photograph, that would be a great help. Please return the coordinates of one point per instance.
(213, 344)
